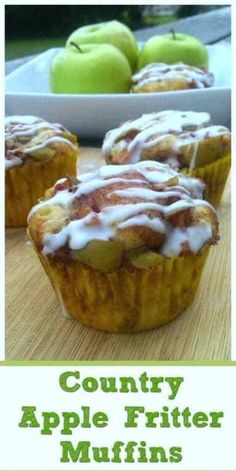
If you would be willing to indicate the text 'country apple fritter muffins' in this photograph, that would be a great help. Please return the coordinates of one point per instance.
(37, 153)
(159, 77)
(124, 247)
(186, 140)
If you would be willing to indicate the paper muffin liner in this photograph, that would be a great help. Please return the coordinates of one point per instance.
(129, 299)
(215, 176)
(26, 183)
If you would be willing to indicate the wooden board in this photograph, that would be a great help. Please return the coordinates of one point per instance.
(36, 330)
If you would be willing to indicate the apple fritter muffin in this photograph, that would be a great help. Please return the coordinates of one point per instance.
(37, 153)
(159, 77)
(186, 140)
(124, 247)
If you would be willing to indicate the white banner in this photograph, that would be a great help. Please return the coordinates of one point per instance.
(118, 417)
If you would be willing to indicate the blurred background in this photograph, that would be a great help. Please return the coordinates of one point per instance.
(34, 28)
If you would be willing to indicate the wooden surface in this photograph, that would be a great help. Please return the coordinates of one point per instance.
(36, 329)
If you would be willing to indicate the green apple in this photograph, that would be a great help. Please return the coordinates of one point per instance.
(90, 68)
(111, 32)
(174, 47)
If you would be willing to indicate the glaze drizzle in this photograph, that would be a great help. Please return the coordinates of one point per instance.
(157, 72)
(163, 133)
(27, 136)
(148, 195)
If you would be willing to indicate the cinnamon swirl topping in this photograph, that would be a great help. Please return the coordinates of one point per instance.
(161, 77)
(178, 138)
(146, 205)
(30, 138)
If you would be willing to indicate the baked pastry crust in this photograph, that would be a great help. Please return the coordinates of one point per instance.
(29, 139)
(124, 247)
(37, 153)
(145, 206)
(179, 138)
(159, 77)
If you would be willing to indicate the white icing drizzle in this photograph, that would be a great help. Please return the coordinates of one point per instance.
(195, 236)
(94, 184)
(63, 307)
(12, 163)
(143, 193)
(148, 210)
(155, 172)
(169, 130)
(194, 155)
(64, 197)
(50, 140)
(142, 220)
(21, 131)
(112, 218)
(203, 133)
(21, 119)
(157, 72)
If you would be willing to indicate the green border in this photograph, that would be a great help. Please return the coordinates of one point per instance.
(115, 363)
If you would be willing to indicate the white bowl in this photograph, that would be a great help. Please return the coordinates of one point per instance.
(27, 92)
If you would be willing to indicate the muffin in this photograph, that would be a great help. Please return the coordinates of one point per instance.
(159, 77)
(37, 153)
(124, 247)
(186, 140)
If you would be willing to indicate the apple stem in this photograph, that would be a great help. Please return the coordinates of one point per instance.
(76, 45)
(173, 32)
